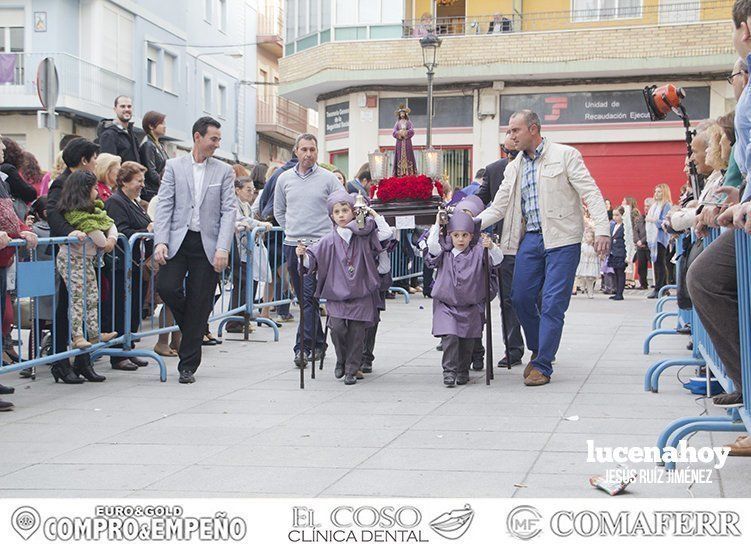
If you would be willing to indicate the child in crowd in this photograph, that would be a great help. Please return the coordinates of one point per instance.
(346, 262)
(85, 212)
(617, 257)
(589, 264)
(458, 291)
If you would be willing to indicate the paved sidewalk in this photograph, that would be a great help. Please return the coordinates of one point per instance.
(246, 429)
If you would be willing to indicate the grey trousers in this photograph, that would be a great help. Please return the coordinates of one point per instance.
(349, 341)
(457, 354)
(369, 344)
(712, 285)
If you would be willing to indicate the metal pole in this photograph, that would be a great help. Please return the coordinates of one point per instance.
(51, 121)
(430, 108)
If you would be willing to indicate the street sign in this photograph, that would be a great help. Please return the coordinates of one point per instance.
(48, 84)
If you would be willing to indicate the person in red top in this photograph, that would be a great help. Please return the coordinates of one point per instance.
(10, 227)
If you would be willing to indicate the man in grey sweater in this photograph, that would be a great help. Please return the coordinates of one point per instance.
(300, 209)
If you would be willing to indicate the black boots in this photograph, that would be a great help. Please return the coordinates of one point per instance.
(63, 371)
(85, 369)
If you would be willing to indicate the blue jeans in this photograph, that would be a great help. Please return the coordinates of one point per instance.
(552, 272)
(308, 303)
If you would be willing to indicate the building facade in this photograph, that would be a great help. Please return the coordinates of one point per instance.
(184, 59)
(581, 64)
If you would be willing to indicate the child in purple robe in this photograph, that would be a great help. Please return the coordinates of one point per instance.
(346, 262)
(459, 291)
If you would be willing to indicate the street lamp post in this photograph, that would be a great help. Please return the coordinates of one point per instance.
(431, 157)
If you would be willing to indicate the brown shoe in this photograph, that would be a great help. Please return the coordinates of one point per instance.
(528, 369)
(124, 364)
(536, 378)
(741, 447)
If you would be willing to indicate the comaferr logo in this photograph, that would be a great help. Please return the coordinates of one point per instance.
(525, 523)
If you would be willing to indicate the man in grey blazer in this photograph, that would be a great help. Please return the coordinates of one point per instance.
(193, 232)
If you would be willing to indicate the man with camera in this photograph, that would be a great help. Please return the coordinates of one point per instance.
(541, 203)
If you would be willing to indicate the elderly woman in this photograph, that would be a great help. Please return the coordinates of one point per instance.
(107, 167)
(130, 218)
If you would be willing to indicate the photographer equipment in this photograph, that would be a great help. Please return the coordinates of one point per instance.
(660, 101)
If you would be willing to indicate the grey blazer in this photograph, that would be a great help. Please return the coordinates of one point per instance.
(217, 206)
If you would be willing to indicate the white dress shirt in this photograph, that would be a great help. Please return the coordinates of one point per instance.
(199, 173)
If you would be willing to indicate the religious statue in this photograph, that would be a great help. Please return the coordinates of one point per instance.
(404, 156)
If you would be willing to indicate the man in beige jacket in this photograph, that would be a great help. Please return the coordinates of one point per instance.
(541, 204)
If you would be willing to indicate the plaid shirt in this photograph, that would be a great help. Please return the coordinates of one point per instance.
(530, 195)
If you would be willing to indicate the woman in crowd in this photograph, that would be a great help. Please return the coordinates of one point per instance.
(21, 192)
(129, 216)
(107, 167)
(641, 252)
(152, 152)
(32, 174)
(341, 177)
(657, 238)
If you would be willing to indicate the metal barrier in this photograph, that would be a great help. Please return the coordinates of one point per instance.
(683, 316)
(406, 263)
(706, 355)
(37, 287)
(743, 267)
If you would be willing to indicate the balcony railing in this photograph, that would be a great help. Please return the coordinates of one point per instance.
(504, 23)
(79, 79)
(271, 21)
(280, 112)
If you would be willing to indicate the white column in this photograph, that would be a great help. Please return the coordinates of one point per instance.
(363, 132)
(485, 132)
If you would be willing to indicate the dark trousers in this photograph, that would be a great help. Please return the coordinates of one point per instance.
(348, 337)
(620, 280)
(191, 306)
(660, 267)
(712, 284)
(276, 261)
(62, 324)
(369, 345)
(669, 266)
(642, 259)
(115, 321)
(309, 304)
(509, 319)
(552, 272)
(457, 354)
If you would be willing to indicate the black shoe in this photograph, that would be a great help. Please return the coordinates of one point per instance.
(653, 294)
(462, 380)
(186, 376)
(616, 297)
(123, 364)
(5, 390)
(26, 373)
(234, 327)
(503, 363)
(439, 347)
(139, 362)
(367, 367)
(5, 406)
(298, 360)
(209, 340)
(84, 368)
(478, 365)
(684, 330)
(729, 400)
(449, 379)
(320, 354)
(350, 379)
(338, 370)
(63, 371)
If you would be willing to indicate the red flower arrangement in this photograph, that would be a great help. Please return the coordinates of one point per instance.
(406, 188)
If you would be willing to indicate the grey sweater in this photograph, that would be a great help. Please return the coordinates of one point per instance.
(300, 204)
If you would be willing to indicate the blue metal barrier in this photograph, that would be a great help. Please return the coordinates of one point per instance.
(743, 266)
(661, 314)
(37, 282)
(406, 263)
(705, 354)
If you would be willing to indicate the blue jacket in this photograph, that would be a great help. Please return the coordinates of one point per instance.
(267, 197)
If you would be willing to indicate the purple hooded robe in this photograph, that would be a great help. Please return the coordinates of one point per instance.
(459, 288)
(348, 272)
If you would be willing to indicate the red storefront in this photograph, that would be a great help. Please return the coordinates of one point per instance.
(634, 168)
